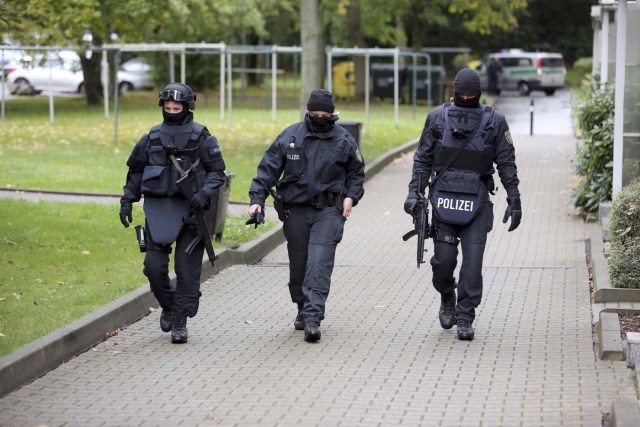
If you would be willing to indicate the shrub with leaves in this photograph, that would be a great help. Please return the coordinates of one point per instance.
(594, 159)
(583, 65)
(624, 231)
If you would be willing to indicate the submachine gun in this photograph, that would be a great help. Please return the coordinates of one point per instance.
(421, 224)
(197, 221)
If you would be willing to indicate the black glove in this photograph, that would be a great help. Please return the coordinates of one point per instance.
(199, 201)
(126, 216)
(256, 219)
(514, 210)
(410, 205)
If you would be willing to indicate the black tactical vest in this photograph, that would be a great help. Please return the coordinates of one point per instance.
(479, 151)
(160, 176)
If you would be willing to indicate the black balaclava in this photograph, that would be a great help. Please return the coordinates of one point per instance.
(181, 93)
(321, 100)
(467, 81)
(176, 119)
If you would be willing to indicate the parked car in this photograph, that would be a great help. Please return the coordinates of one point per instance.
(10, 60)
(526, 71)
(65, 75)
(135, 74)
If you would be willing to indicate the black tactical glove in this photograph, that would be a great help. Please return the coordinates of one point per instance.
(410, 205)
(514, 210)
(199, 201)
(126, 216)
(256, 219)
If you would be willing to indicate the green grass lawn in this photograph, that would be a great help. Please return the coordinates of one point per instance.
(61, 261)
(77, 152)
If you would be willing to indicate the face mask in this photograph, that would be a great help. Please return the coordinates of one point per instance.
(322, 124)
(466, 103)
(175, 119)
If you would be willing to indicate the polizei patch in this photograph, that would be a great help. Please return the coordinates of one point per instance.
(455, 204)
(293, 156)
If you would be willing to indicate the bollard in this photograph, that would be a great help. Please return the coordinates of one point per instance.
(531, 118)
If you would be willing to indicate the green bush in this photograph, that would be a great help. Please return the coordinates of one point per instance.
(579, 76)
(624, 229)
(583, 65)
(594, 159)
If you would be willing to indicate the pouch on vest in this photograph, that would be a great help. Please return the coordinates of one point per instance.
(457, 196)
(159, 181)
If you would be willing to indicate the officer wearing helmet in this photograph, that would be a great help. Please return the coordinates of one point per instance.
(318, 173)
(178, 148)
(459, 146)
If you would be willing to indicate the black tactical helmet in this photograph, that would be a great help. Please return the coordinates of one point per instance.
(178, 92)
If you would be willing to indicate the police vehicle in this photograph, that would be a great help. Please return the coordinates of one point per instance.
(526, 71)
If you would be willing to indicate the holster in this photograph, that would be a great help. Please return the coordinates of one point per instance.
(278, 205)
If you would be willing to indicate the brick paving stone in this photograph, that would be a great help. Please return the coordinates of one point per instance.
(383, 358)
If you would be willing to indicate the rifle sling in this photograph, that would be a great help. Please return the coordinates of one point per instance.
(183, 173)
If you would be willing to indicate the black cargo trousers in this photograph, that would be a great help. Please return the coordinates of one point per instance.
(312, 237)
(186, 295)
(473, 240)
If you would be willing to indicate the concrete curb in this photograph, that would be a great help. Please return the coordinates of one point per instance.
(609, 339)
(603, 292)
(624, 412)
(39, 357)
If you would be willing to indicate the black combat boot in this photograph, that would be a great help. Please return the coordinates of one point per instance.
(298, 324)
(179, 332)
(465, 330)
(447, 312)
(165, 320)
(311, 331)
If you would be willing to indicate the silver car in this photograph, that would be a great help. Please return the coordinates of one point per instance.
(62, 72)
(526, 71)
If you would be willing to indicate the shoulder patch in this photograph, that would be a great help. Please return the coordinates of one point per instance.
(508, 138)
(359, 155)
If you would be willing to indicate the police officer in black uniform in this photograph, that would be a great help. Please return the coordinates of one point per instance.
(494, 70)
(179, 148)
(459, 145)
(318, 173)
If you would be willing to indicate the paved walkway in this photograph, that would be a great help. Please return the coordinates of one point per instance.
(383, 358)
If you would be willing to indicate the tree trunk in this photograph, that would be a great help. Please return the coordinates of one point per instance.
(312, 43)
(356, 39)
(92, 83)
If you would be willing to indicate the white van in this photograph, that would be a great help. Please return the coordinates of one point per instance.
(526, 71)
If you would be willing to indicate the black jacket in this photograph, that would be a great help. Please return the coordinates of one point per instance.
(304, 165)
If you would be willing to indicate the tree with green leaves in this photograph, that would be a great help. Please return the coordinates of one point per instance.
(391, 23)
(64, 23)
